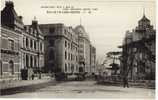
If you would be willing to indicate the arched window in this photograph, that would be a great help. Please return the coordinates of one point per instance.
(11, 67)
(65, 55)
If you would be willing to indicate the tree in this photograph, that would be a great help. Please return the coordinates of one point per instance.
(114, 55)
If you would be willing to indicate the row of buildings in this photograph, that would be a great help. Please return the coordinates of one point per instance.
(36, 48)
(138, 55)
(69, 48)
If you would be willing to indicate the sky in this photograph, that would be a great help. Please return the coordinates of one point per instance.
(106, 26)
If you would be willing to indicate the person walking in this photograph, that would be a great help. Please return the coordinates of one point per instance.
(125, 82)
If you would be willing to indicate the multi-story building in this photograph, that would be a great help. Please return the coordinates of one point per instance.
(10, 60)
(22, 46)
(11, 30)
(139, 51)
(93, 59)
(61, 48)
(84, 49)
(32, 48)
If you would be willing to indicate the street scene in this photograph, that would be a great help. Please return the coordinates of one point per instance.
(64, 51)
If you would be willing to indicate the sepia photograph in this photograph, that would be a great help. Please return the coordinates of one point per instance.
(102, 49)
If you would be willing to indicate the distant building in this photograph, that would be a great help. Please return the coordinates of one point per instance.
(93, 59)
(61, 48)
(139, 52)
(84, 49)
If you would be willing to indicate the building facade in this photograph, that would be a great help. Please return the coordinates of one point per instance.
(84, 49)
(32, 49)
(22, 45)
(11, 30)
(9, 60)
(61, 48)
(139, 52)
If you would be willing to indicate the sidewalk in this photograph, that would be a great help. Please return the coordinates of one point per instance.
(19, 83)
(148, 85)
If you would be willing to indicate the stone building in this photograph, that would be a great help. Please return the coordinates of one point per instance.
(32, 48)
(11, 30)
(21, 44)
(84, 49)
(61, 48)
(139, 52)
(9, 52)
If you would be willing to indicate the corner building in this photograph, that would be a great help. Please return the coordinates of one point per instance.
(10, 40)
(61, 48)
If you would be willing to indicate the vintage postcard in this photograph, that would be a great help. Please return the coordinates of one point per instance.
(78, 49)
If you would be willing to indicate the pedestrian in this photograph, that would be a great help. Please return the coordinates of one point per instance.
(33, 76)
(125, 82)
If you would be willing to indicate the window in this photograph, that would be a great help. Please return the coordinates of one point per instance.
(27, 61)
(51, 30)
(65, 55)
(68, 45)
(23, 42)
(35, 45)
(65, 43)
(41, 47)
(65, 31)
(31, 61)
(65, 67)
(35, 62)
(71, 46)
(69, 56)
(76, 58)
(31, 43)
(27, 42)
(72, 68)
(11, 44)
(11, 67)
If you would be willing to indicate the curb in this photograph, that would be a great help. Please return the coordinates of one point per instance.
(26, 88)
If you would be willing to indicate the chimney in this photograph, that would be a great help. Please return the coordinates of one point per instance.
(9, 4)
(34, 23)
(20, 17)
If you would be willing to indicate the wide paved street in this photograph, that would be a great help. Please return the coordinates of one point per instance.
(86, 89)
